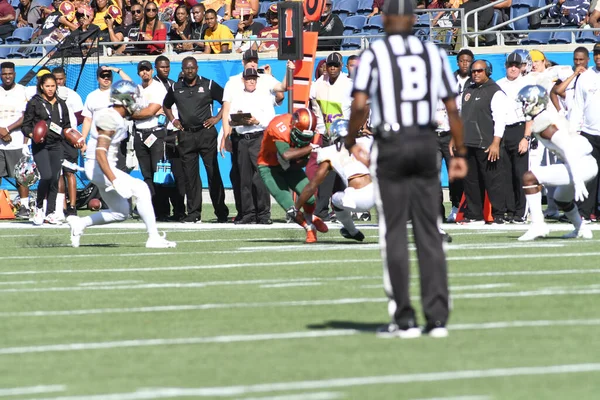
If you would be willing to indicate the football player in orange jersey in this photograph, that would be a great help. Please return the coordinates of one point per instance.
(287, 143)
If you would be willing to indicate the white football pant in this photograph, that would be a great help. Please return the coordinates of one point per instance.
(353, 200)
(557, 175)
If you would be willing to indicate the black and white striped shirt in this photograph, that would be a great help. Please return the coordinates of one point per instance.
(404, 78)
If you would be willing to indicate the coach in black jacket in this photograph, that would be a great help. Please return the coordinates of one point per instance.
(484, 116)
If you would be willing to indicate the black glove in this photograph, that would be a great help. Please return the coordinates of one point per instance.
(292, 213)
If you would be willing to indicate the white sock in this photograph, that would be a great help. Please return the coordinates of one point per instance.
(146, 211)
(345, 217)
(574, 217)
(534, 201)
(25, 202)
(60, 203)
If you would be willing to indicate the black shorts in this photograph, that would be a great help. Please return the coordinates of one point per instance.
(70, 154)
(8, 160)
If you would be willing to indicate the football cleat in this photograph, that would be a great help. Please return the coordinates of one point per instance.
(358, 236)
(54, 219)
(160, 242)
(535, 231)
(320, 225)
(581, 233)
(38, 217)
(311, 236)
(76, 230)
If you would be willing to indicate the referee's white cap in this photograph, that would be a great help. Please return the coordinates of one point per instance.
(398, 7)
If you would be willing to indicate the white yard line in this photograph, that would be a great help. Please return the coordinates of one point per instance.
(193, 267)
(18, 283)
(107, 283)
(524, 273)
(68, 347)
(300, 396)
(286, 285)
(230, 391)
(457, 398)
(19, 391)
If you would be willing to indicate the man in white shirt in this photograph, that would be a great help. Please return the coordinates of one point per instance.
(585, 118)
(246, 137)
(149, 137)
(266, 83)
(517, 135)
(100, 99)
(13, 145)
(70, 153)
(563, 93)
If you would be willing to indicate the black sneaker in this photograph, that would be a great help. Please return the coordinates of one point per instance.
(265, 221)
(445, 237)
(436, 330)
(176, 217)
(366, 216)
(497, 221)
(191, 219)
(23, 213)
(358, 236)
(246, 221)
(392, 330)
(222, 220)
(517, 220)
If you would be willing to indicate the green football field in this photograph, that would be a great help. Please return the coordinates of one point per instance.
(255, 313)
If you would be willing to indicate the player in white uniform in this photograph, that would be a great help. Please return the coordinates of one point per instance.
(359, 195)
(107, 132)
(552, 130)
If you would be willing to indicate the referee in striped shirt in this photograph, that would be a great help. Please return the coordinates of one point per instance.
(405, 78)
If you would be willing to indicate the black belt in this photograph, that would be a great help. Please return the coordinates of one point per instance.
(150, 130)
(517, 124)
(249, 136)
(193, 128)
(442, 133)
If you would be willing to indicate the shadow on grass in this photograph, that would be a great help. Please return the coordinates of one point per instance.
(352, 325)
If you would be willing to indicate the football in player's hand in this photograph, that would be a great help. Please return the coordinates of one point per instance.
(94, 204)
(74, 137)
(39, 132)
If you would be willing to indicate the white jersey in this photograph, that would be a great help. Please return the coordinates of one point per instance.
(344, 164)
(12, 106)
(552, 117)
(74, 103)
(107, 119)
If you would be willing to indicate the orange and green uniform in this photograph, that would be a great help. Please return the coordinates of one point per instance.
(279, 175)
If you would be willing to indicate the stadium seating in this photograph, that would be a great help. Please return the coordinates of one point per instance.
(4, 51)
(422, 20)
(351, 42)
(20, 35)
(345, 8)
(355, 23)
(262, 21)
(38, 52)
(263, 8)
(15, 53)
(168, 26)
(534, 38)
(365, 7)
(587, 36)
(44, 3)
(560, 37)
(518, 10)
(232, 24)
(375, 22)
(14, 3)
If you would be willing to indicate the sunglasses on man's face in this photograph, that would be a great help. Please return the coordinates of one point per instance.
(477, 71)
(136, 11)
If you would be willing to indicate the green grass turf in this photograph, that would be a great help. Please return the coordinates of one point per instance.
(39, 272)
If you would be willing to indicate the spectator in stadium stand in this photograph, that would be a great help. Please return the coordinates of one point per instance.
(484, 20)
(113, 19)
(321, 69)
(235, 9)
(213, 5)
(215, 31)
(270, 32)
(594, 18)
(28, 13)
(101, 9)
(571, 13)
(246, 28)
(86, 31)
(181, 30)
(128, 33)
(7, 16)
(377, 4)
(57, 24)
(329, 25)
(153, 29)
(198, 26)
(125, 6)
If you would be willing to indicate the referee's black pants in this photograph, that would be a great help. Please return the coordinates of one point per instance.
(203, 143)
(484, 175)
(255, 200)
(516, 165)
(407, 178)
(590, 205)
(148, 158)
(455, 187)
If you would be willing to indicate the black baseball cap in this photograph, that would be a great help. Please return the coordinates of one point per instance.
(145, 64)
(398, 7)
(514, 58)
(104, 73)
(250, 73)
(334, 58)
(250, 54)
(596, 48)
